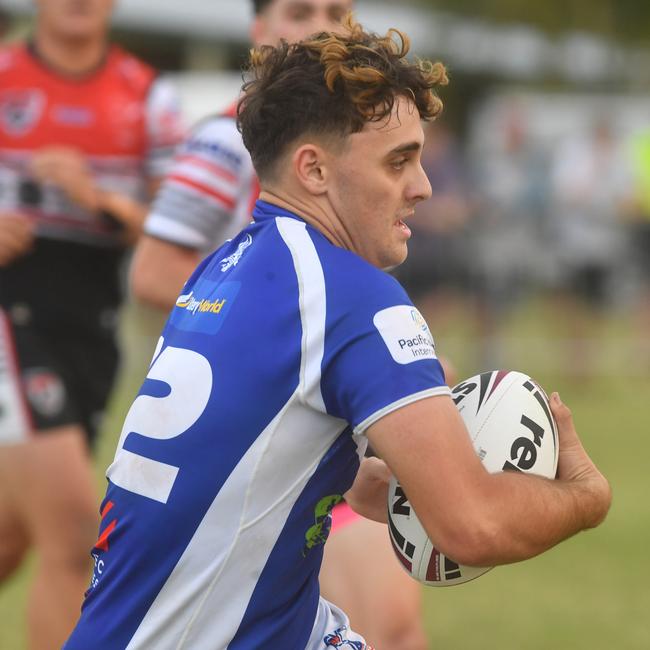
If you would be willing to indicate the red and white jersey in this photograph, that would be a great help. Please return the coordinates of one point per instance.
(121, 117)
(209, 194)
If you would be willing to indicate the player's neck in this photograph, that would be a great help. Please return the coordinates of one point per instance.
(73, 57)
(323, 218)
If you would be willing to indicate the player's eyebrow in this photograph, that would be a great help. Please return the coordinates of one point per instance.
(405, 148)
(300, 4)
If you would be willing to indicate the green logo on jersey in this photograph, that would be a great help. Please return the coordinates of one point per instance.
(317, 534)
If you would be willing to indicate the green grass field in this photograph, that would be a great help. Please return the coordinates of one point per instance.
(590, 592)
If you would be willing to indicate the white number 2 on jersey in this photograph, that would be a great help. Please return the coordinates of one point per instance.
(189, 376)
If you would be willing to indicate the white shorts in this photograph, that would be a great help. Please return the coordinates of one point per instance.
(332, 630)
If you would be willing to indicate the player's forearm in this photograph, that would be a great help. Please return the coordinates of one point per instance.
(123, 209)
(368, 495)
(520, 516)
(16, 237)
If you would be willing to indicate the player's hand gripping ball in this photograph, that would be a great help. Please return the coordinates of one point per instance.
(509, 420)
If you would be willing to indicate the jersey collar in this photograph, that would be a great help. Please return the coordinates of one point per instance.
(264, 210)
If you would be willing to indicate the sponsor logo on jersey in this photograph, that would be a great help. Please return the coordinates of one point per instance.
(215, 150)
(20, 110)
(80, 116)
(405, 333)
(201, 306)
(337, 640)
(184, 299)
(233, 260)
(317, 534)
(205, 307)
(101, 545)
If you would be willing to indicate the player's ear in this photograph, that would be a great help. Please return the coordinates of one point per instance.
(309, 164)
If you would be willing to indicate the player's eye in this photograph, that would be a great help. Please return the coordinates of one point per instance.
(300, 14)
(399, 163)
(337, 14)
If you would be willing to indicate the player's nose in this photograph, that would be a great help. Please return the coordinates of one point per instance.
(420, 188)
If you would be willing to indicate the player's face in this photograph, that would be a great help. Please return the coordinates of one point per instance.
(377, 180)
(294, 20)
(75, 19)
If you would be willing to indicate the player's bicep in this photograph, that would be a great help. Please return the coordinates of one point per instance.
(153, 186)
(427, 447)
(385, 359)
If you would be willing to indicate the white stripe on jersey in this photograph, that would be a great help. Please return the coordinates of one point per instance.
(311, 283)
(174, 231)
(15, 424)
(200, 600)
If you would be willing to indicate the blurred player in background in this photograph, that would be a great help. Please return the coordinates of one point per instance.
(592, 194)
(215, 512)
(5, 23)
(210, 192)
(208, 198)
(85, 131)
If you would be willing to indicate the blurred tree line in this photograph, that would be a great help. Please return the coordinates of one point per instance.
(623, 20)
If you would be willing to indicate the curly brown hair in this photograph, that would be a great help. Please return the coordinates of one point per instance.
(330, 85)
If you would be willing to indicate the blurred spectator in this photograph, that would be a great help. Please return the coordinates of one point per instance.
(5, 23)
(592, 190)
(511, 190)
(85, 131)
(437, 259)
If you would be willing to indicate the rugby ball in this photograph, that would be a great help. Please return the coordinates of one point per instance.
(509, 420)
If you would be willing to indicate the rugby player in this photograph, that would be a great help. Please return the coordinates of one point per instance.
(207, 198)
(213, 519)
(86, 131)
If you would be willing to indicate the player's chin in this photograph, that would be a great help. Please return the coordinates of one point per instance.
(396, 256)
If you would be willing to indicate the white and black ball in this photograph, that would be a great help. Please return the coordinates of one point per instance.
(509, 420)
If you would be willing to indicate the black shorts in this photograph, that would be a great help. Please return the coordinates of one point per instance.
(49, 380)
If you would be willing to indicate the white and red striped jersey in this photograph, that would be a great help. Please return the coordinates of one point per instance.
(209, 195)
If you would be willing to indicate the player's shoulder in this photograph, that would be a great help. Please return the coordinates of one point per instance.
(216, 137)
(346, 266)
(218, 127)
(129, 70)
(13, 57)
(354, 283)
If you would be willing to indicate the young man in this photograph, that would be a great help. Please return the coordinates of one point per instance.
(85, 130)
(213, 522)
(207, 198)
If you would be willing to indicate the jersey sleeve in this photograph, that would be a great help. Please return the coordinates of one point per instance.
(164, 127)
(199, 198)
(381, 356)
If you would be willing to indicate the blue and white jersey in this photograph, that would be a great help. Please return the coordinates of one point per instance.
(281, 352)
